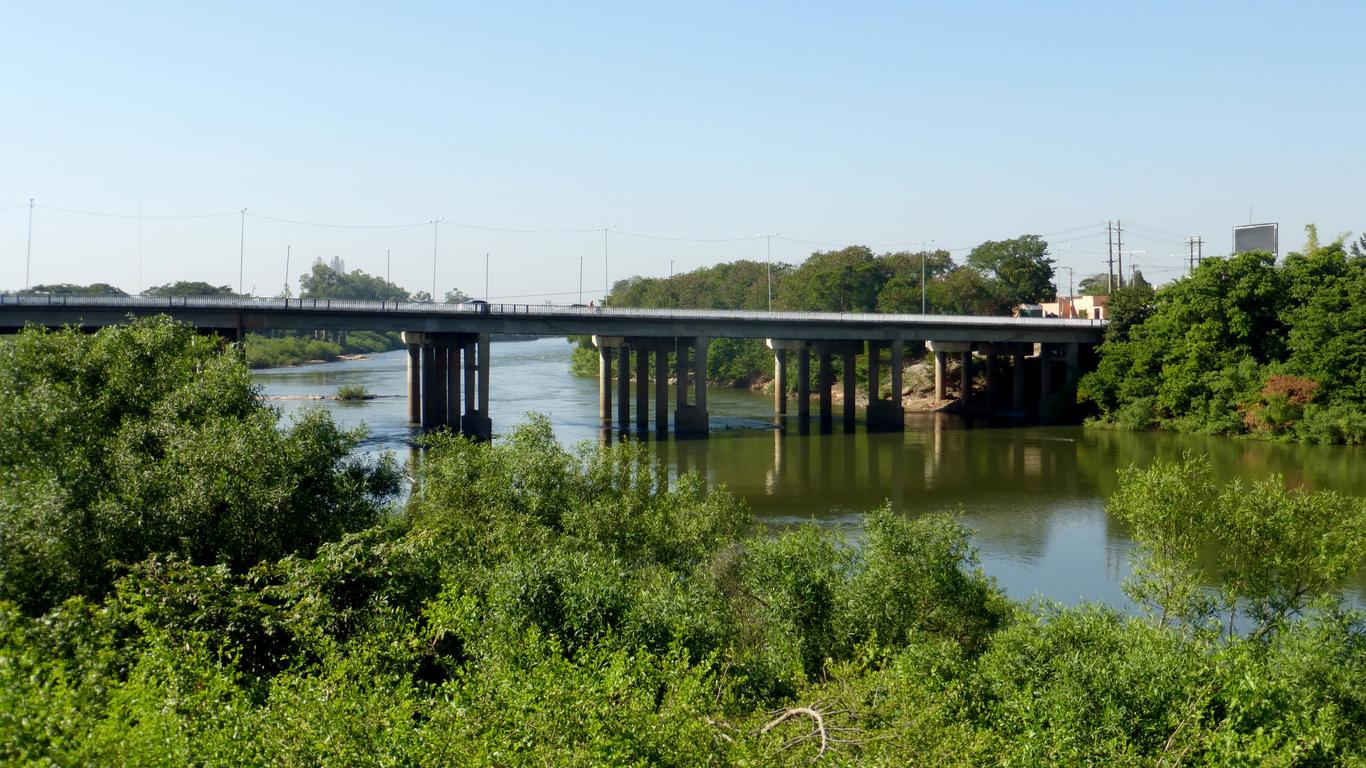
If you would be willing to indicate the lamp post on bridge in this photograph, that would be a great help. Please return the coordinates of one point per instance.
(436, 224)
(607, 282)
(768, 264)
(923, 255)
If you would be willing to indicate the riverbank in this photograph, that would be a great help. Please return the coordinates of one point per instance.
(281, 351)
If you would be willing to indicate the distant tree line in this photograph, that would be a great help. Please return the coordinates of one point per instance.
(996, 277)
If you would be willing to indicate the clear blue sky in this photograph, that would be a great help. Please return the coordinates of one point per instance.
(841, 123)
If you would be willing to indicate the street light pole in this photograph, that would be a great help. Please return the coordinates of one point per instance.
(241, 250)
(436, 224)
(28, 249)
(923, 255)
(768, 262)
(607, 282)
(580, 279)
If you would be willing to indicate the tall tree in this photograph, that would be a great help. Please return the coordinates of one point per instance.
(847, 280)
(324, 282)
(189, 288)
(1020, 267)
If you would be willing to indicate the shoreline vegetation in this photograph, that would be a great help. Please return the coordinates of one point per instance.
(184, 581)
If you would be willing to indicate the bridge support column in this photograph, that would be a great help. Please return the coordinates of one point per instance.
(467, 350)
(885, 414)
(661, 390)
(440, 380)
(965, 377)
(827, 382)
(940, 387)
(623, 387)
(1017, 395)
(692, 420)
(428, 385)
(804, 385)
(642, 389)
(850, 395)
(478, 425)
(452, 392)
(780, 382)
(1071, 351)
(941, 350)
(898, 363)
(991, 379)
(414, 382)
(1045, 373)
(604, 384)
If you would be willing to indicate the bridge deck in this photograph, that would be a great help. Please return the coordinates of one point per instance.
(337, 314)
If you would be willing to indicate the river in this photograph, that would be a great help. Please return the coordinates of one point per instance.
(1034, 496)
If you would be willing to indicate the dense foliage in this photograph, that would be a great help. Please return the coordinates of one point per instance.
(1243, 345)
(997, 277)
(147, 439)
(540, 606)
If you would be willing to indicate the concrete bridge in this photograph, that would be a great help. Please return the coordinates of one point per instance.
(449, 354)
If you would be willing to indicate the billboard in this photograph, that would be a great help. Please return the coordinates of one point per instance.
(1256, 237)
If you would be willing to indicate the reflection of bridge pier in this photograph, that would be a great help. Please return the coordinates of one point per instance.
(435, 381)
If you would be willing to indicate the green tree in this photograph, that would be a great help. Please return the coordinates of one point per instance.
(72, 289)
(189, 288)
(1095, 285)
(1020, 267)
(966, 291)
(847, 280)
(902, 291)
(323, 282)
(149, 439)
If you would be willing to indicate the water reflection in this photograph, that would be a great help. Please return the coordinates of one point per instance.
(1034, 495)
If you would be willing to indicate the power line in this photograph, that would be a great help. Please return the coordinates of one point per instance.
(338, 226)
(134, 215)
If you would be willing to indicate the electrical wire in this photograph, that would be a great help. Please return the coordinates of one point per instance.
(520, 231)
(691, 239)
(336, 226)
(134, 215)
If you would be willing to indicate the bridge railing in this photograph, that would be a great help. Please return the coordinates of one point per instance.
(526, 310)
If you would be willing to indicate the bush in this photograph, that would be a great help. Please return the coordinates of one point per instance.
(148, 439)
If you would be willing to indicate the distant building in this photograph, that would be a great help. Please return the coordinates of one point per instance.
(336, 264)
(1083, 307)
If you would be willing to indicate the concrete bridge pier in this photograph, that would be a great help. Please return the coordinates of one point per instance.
(1017, 371)
(691, 419)
(476, 423)
(780, 349)
(434, 382)
(414, 382)
(941, 350)
(826, 382)
(887, 414)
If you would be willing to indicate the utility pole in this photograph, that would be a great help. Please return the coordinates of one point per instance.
(288, 248)
(923, 256)
(580, 279)
(387, 253)
(241, 250)
(28, 250)
(1119, 249)
(486, 276)
(1110, 257)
